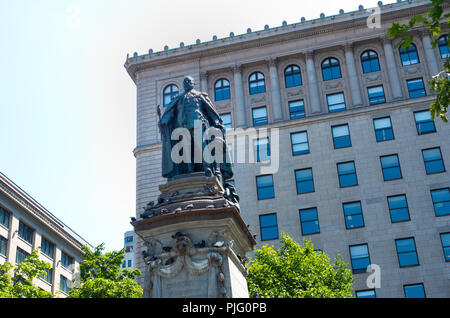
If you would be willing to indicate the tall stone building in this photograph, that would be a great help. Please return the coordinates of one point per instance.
(25, 226)
(361, 165)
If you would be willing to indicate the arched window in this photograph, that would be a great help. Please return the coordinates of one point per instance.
(222, 89)
(169, 93)
(331, 69)
(292, 76)
(409, 56)
(443, 46)
(256, 83)
(369, 61)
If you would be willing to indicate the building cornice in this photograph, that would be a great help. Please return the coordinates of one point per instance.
(18, 196)
(257, 39)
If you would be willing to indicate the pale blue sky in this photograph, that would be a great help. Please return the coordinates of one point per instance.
(67, 105)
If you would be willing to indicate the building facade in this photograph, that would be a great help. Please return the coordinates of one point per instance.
(129, 242)
(361, 165)
(26, 226)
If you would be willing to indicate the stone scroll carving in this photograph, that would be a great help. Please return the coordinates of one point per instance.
(168, 262)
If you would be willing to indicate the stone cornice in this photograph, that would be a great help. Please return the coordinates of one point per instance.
(38, 213)
(392, 12)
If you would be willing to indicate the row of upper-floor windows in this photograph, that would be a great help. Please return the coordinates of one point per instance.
(416, 290)
(330, 67)
(335, 102)
(26, 233)
(359, 254)
(341, 138)
(22, 255)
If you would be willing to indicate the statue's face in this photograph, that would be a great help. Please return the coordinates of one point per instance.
(188, 83)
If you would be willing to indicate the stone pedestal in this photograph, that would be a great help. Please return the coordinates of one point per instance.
(196, 241)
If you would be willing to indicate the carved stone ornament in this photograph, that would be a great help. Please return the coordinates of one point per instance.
(295, 92)
(334, 84)
(258, 99)
(372, 78)
(411, 70)
(168, 262)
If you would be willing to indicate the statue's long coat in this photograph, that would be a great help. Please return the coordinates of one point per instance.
(168, 123)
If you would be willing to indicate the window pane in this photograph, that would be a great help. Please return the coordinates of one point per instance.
(441, 201)
(268, 226)
(391, 168)
(297, 109)
(376, 95)
(304, 180)
(265, 187)
(416, 88)
(365, 294)
(336, 102)
(433, 160)
(341, 136)
(3, 245)
(25, 232)
(259, 116)
(4, 217)
(309, 221)
(398, 208)
(445, 238)
(353, 215)
(414, 291)
(299, 143)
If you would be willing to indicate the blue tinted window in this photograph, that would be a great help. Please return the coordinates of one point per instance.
(226, 120)
(296, 109)
(256, 83)
(222, 89)
(299, 143)
(406, 251)
(259, 116)
(336, 102)
(47, 247)
(341, 136)
(414, 291)
(21, 255)
(262, 149)
(169, 93)
(292, 76)
(268, 226)
(383, 129)
(347, 174)
(359, 255)
(309, 221)
(26, 232)
(369, 61)
(66, 260)
(441, 201)
(433, 160)
(390, 167)
(443, 47)
(409, 56)
(3, 245)
(331, 69)
(48, 276)
(353, 215)
(416, 88)
(445, 239)
(398, 208)
(64, 284)
(264, 186)
(304, 179)
(376, 95)
(4, 217)
(365, 294)
(424, 122)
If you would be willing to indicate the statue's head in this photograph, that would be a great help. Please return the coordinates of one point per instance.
(188, 83)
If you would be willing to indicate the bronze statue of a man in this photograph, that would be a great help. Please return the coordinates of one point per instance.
(193, 111)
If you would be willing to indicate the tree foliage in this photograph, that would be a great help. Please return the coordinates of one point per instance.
(434, 21)
(296, 271)
(20, 284)
(102, 277)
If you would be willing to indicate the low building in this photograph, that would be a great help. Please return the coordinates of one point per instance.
(25, 225)
(129, 243)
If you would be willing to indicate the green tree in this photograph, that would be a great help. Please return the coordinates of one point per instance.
(102, 277)
(296, 271)
(20, 284)
(434, 21)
